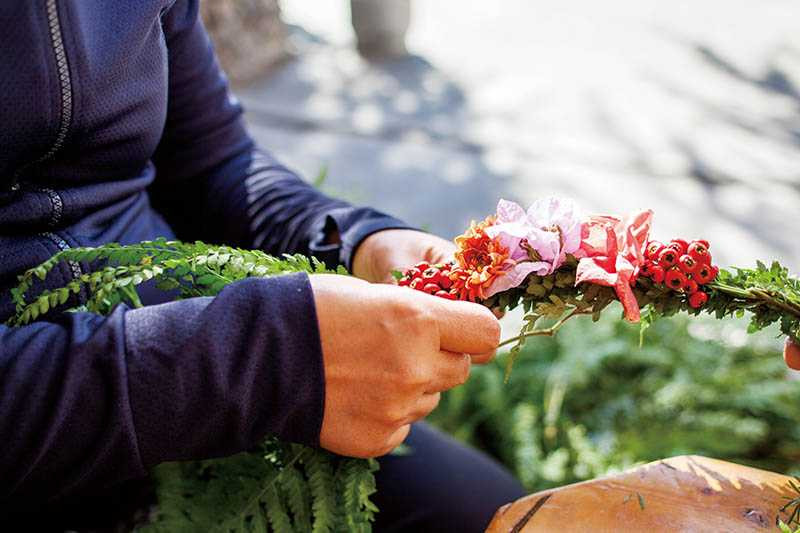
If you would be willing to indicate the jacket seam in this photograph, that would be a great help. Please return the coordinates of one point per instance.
(129, 402)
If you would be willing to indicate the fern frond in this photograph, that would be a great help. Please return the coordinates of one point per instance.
(294, 485)
(323, 491)
(276, 510)
(356, 485)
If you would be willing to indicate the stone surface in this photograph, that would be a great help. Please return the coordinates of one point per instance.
(686, 493)
(690, 108)
(249, 36)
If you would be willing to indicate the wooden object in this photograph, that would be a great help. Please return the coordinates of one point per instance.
(680, 494)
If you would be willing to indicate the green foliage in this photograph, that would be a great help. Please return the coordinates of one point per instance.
(191, 269)
(589, 401)
(278, 487)
(769, 293)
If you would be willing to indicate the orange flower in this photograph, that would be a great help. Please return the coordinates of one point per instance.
(480, 259)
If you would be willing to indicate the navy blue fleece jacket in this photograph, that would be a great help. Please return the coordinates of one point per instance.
(116, 124)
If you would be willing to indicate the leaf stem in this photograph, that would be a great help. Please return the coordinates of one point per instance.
(758, 295)
(133, 296)
(546, 332)
(774, 302)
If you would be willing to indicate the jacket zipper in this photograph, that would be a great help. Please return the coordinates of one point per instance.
(64, 79)
(74, 266)
(65, 82)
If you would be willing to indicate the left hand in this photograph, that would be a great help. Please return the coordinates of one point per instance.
(398, 249)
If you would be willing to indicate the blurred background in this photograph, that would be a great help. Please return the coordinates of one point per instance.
(432, 110)
(689, 107)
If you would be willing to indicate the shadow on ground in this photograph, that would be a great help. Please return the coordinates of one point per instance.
(389, 134)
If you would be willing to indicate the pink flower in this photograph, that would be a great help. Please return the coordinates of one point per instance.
(538, 240)
(612, 251)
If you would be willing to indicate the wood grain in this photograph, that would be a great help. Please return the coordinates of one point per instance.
(681, 494)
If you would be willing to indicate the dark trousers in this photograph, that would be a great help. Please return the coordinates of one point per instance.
(440, 486)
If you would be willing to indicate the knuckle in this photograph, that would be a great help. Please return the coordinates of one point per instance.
(414, 313)
(394, 417)
(405, 316)
(412, 375)
(395, 308)
(405, 373)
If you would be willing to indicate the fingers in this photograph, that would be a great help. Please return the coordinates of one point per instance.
(427, 403)
(465, 327)
(791, 354)
(449, 370)
(483, 358)
(396, 439)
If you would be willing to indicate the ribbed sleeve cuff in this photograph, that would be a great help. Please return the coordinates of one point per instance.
(211, 377)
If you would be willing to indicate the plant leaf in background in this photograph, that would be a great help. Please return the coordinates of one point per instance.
(589, 401)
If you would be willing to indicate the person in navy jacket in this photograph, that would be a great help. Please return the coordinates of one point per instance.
(117, 125)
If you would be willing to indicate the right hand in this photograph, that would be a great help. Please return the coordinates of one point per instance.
(388, 352)
(791, 354)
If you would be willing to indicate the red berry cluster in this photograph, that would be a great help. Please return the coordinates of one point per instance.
(433, 279)
(682, 266)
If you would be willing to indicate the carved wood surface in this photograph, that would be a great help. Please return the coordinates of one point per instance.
(681, 494)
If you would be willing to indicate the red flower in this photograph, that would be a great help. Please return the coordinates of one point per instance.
(480, 260)
(612, 249)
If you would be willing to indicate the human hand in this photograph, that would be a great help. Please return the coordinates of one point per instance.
(791, 354)
(388, 353)
(398, 249)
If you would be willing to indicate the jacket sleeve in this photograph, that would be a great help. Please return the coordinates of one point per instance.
(214, 184)
(90, 401)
